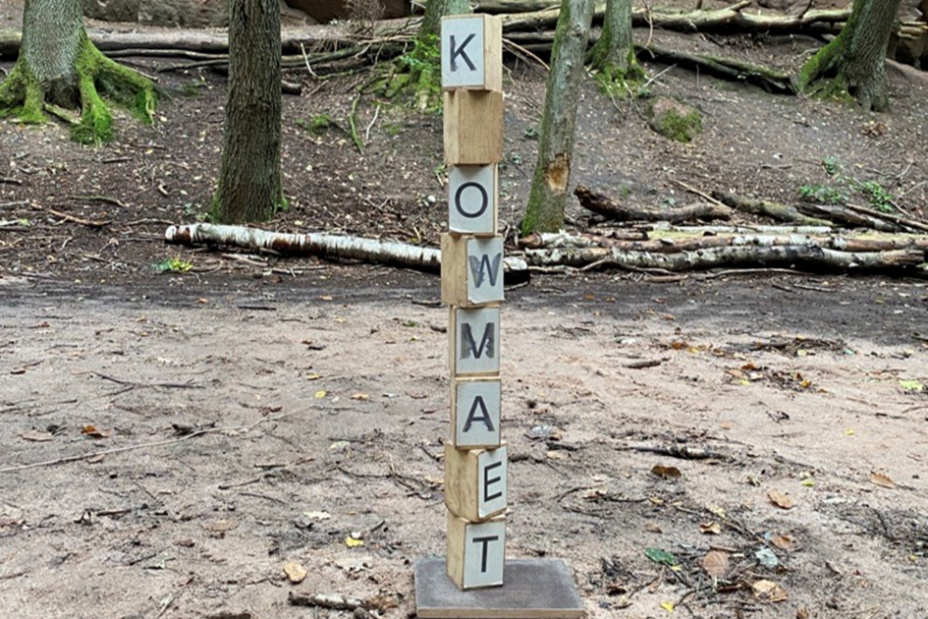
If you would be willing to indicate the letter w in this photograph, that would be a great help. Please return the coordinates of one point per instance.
(482, 266)
(469, 344)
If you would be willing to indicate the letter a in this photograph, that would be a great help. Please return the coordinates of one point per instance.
(481, 265)
(460, 52)
(484, 417)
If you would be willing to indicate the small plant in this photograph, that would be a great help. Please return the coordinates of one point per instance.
(318, 125)
(831, 165)
(822, 194)
(420, 74)
(531, 133)
(175, 264)
(880, 199)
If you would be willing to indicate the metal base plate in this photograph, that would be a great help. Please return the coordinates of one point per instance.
(532, 589)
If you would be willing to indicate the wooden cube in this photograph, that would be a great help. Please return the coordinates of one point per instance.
(475, 482)
(476, 552)
(474, 341)
(473, 203)
(476, 411)
(473, 127)
(472, 52)
(471, 270)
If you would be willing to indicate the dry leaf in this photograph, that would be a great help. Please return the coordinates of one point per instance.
(780, 500)
(710, 528)
(295, 572)
(317, 515)
(769, 591)
(784, 541)
(320, 394)
(665, 472)
(360, 396)
(653, 527)
(557, 455)
(667, 605)
(715, 563)
(802, 613)
(92, 432)
(353, 542)
(37, 436)
(882, 480)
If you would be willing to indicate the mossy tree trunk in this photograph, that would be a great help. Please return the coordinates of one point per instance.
(854, 63)
(435, 10)
(58, 65)
(249, 180)
(548, 196)
(613, 54)
(420, 70)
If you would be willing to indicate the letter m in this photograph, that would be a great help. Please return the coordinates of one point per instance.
(469, 347)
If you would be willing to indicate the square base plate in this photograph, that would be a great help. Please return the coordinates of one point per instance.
(532, 589)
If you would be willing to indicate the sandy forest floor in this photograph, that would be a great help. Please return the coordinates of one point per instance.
(257, 411)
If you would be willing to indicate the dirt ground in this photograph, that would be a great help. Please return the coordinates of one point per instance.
(258, 411)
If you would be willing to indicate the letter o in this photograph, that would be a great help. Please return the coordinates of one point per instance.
(483, 207)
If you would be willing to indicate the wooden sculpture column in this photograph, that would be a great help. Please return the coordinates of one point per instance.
(472, 285)
(468, 582)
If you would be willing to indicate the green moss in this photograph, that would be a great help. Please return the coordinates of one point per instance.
(415, 78)
(622, 80)
(21, 95)
(675, 121)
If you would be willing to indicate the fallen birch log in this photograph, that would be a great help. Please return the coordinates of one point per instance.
(328, 246)
(846, 216)
(695, 242)
(603, 205)
(808, 257)
(725, 20)
(773, 210)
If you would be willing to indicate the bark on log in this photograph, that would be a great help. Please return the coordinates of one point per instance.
(725, 20)
(846, 216)
(603, 205)
(563, 240)
(810, 257)
(773, 210)
(496, 7)
(327, 246)
(205, 41)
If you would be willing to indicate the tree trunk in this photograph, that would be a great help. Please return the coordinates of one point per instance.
(548, 196)
(249, 180)
(59, 65)
(855, 60)
(435, 10)
(613, 55)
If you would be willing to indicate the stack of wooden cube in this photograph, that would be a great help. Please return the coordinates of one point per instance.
(472, 285)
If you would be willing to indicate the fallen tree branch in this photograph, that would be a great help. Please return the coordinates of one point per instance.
(331, 602)
(902, 221)
(845, 216)
(603, 205)
(329, 246)
(807, 256)
(768, 79)
(117, 450)
(773, 210)
(696, 242)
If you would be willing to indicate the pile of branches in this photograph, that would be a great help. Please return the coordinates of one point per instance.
(808, 237)
(528, 27)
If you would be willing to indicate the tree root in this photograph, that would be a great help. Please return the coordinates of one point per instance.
(22, 96)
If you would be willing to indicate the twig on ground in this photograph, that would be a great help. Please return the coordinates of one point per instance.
(116, 450)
